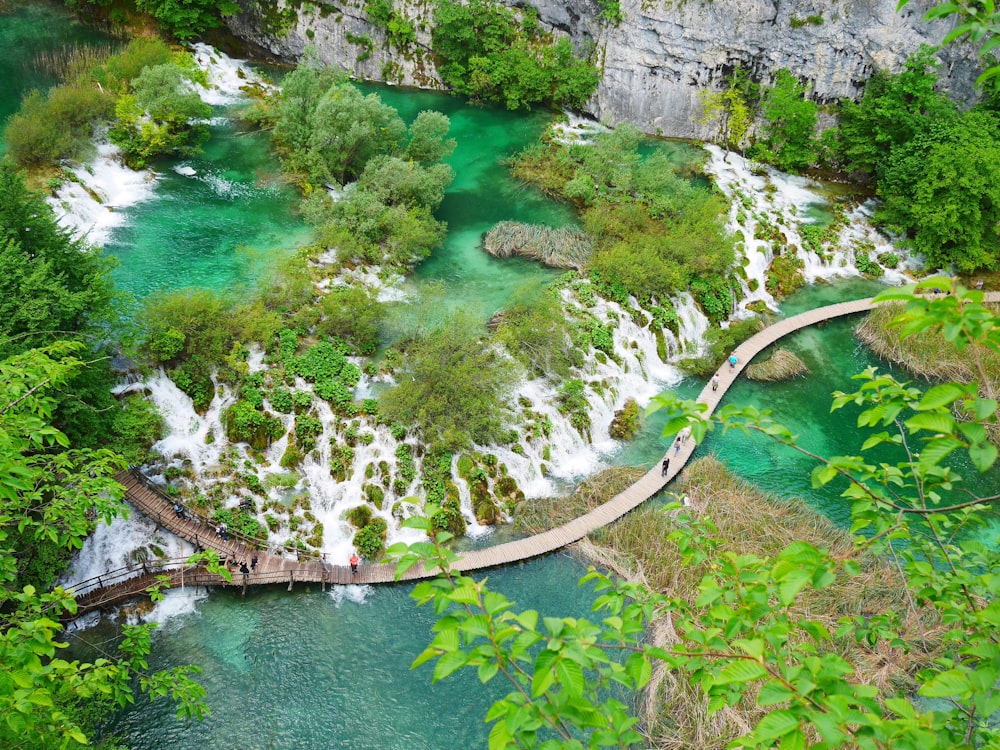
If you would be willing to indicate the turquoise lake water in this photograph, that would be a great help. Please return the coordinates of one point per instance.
(308, 669)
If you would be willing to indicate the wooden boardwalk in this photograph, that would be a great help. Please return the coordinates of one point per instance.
(275, 566)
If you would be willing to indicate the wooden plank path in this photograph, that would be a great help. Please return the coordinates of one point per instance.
(275, 567)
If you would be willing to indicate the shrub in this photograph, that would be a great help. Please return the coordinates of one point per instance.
(359, 516)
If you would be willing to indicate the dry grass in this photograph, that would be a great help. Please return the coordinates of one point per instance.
(782, 365)
(927, 355)
(541, 514)
(750, 521)
(559, 248)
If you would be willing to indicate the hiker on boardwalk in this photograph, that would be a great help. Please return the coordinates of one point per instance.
(354, 564)
(733, 359)
(221, 531)
(253, 562)
(245, 571)
(178, 510)
(715, 382)
(665, 467)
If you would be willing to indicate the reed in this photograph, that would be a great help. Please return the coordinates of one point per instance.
(749, 521)
(560, 248)
(929, 356)
(925, 354)
(540, 514)
(70, 62)
(782, 365)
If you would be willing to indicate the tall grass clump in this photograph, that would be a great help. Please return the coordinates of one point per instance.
(749, 521)
(559, 248)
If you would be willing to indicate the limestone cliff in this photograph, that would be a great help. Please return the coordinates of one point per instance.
(658, 58)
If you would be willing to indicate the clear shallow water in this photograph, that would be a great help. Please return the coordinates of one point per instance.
(320, 670)
(27, 30)
(218, 220)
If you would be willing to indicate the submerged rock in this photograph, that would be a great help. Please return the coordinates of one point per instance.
(782, 365)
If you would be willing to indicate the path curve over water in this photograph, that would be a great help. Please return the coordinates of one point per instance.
(277, 569)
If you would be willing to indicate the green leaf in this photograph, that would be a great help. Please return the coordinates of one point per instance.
(952, 683)
(983, 455)
(940, 395)
(933, 421)
(743, 670)
(774, 725)
(773, 692)
(449, 663)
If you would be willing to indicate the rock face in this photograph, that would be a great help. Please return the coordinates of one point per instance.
(661, 55)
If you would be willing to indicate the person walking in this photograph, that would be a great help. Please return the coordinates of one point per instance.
(665, 467)
(733, 360)
(715, 382)
(354, 564)
(253, 562)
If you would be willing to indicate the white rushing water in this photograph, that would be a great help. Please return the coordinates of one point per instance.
(769, 210)
(95, 198)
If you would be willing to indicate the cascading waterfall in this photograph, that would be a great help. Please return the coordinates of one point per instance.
(770, 203)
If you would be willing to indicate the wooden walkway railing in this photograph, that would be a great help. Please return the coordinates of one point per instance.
(274, 567)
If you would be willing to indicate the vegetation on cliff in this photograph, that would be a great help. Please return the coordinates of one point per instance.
(486, 51)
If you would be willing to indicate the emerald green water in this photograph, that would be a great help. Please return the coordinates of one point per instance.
(303, 670)
(27, 30)
(222, 227)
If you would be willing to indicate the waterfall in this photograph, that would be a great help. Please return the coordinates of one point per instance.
(770, 203)
(226, 77)
(91, 203)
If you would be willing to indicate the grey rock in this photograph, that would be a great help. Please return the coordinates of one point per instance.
(663, 53)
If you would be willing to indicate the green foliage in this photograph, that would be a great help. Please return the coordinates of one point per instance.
(455, 386)
(941, 189)
(188, 18)
(370, 540)
(245, 424)
(281, 400)
(57, 125)
(327, 130)
(162, 116)
(50, 496)
(354, 315)
(654, 232)
(745, 635)
(136, 425)
(611, 11)
(483, 51)
(241, 523)
(535, 331)
(329, 133)
(627, 421)
(359, 516)
(789, 125)
(893, 109)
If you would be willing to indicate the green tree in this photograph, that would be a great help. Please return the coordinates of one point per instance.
(51, 492)
(741, 637)
(53, 285)
(429, 141)
(484, 52)
(397, 182)
(188, 18)
(893, 109)
(979, 23)
(942, 189)
(163, 115)
(454, 386)
(789, 140)
(354, 315)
